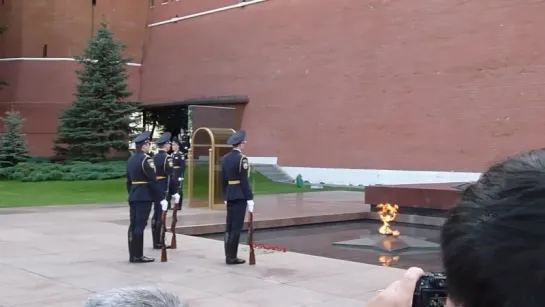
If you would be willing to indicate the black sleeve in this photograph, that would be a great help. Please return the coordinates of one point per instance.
(224, 181)
(172, 182)
(181, 175)
(182, 169)
(174, 185)
(149, 169)
(244, 168)
(128, 182)
(175, 180)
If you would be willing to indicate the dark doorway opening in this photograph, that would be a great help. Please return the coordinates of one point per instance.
(182, 118)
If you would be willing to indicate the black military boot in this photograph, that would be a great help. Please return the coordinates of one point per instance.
(138, 250)
(233, 250)
(181, 201)
(226, 246)
(156, 232)
(131, 246)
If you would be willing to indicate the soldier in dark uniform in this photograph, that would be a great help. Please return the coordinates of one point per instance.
(185, 143)
(178, 173)
(143, 192)
(238, 194)
(163, 169)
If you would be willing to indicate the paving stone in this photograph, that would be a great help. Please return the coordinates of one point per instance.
(63, 255)
(281, 295)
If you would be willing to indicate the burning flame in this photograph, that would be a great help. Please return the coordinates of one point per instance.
(386, 260)
(387, 214)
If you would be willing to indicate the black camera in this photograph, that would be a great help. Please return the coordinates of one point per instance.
(431, 291)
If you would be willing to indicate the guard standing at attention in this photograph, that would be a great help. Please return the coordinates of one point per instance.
(185, 143)
(238, 194)
(163, 169)
(178, 173)
(143, 192)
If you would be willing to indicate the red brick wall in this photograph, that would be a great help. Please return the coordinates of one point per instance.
(66, 26)
(11, 39)
(40, 90)
(441, 85)
(171, 8)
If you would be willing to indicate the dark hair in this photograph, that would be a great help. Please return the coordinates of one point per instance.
(493, 242)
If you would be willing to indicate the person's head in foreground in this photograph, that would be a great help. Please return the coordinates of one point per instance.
(493, 242)
(135, 297)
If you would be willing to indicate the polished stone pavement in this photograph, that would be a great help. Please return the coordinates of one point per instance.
(60, 256)
(319, 240)
(280, 210)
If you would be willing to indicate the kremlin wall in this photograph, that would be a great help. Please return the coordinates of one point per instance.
(344, 91)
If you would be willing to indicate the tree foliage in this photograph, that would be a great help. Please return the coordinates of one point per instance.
(99, 119)
(172, 119)
(13, 145)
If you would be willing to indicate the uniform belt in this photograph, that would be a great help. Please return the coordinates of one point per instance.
(161, 177)
(233, 182)
(139, 182)
(176, 167)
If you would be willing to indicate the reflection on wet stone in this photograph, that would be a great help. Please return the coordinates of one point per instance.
(417, 246)
(390, 245)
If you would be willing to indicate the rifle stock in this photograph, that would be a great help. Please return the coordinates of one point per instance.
(251, 238)
(163, 235)
(173, 244)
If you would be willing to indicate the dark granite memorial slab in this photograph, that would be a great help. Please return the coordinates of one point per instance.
(441, 196)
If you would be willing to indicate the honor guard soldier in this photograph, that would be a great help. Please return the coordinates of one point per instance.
(163, 169)
(185, 143)
(178, 173)
(238, 194)
(143, 192)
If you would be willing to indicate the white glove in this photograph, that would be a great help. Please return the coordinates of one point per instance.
(250, 205)
(180, 179)
(176, 197)
(225, 202)
(164, 204)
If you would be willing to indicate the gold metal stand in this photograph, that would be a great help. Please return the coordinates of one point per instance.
(217, 146)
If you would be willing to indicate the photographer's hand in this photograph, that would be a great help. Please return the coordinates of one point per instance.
(399, 293)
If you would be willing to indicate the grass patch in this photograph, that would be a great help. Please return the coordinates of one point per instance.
(45, 193)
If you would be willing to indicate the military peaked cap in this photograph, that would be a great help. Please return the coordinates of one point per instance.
(142, 138)
(165, 138)
(176, 141)
(237, 138)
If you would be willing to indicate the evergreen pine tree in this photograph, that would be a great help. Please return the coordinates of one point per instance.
(99, 118)
(13, 149)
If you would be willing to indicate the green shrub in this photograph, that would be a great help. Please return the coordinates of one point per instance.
(69, 177)
(66, 171)
(5, 172)
(39, 160)
(16, 175)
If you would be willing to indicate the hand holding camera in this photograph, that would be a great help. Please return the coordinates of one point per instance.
(430, 291)
(423, 290)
